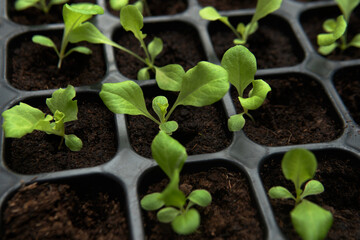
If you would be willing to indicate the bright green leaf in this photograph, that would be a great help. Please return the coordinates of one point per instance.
(23, 4)
(143, 74)
(347, 6)
(79, 49)
(58, 2)
(355, 42)
(77, 13)
(310, 221)
(236, 122)
(211, 14)
(88, 32)
(325, 39)
(152, 202)
(169, 77)
(118, 4)
(169, 127)
(73, 142)
(326, 50)
(265, 7)
(167, 215)
(256, 96)
(132, 20)
(200, 197)
(155, 47)
(329, 25)
(160, 105)
(280, 192)
(240, 28)
(312, 187)
(186, 223)
(172, 196)
(44, 41)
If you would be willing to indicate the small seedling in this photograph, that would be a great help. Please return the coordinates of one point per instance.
(74, 15)
(240, 64)
(337, 30)
(242, 31)
(39, 4)
(23, 119)
(201, 85)
(142, 5)
(170, 156)
(310, 221)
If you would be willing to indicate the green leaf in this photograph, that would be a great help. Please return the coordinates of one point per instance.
(326, 50)
(168, 153)
(347, 6)
(256, 96)
(355, 42)
(240, 28)
(118, 4)
(265, 7)
(88, 32)
(236, 122)
(186, 223)
(139, 5)
(143, 74)
(329, 25)
(45, 41)
(132, 20)
(169, 127)
(167, 215)
(172, 196)
(160, 105)
(155, 47)
(325, 39)
(23, 4)
(298, 165)
(58, 2)
(152, 202)
(79, 49)
(203, 85)
(61, 100)
(310, 221)
(77, 13)
(200, 197)
(21, 120)
(169, 77)
(240, 64)
(211, 14)
(124, 98)
(280, 192)
(313, 187)
(73, 142)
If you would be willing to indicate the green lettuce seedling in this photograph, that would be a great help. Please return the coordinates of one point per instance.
(23, 119)
(74, 15)
(336, 29)
(242, 31)
(142, 5)
(201, 85)
(176, 208)
(240, 64)
(43, 5)
(310, 221)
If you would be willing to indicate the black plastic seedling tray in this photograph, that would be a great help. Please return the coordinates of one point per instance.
(126, 172)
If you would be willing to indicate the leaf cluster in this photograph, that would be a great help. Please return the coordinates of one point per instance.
(39, 4)
(310, 221)
(175, 207)
(23, 118)
(243, 31)
(336, 29)
(240, 64)
(201, 85)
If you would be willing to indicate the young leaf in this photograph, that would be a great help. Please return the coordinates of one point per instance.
(355, 42)
(132, 20)
(167, 215)
(326, 50)
(155, 47)
(200, 197)
(256, 96)
(326, 39)
(172, 195)
(23, 4)
(347, 6)
(169, 127)
(160, 105)
(310, 221)
(73, 142)
(312, 187)
(280, 192)
(152, 202)
(143, 74)
(44, 41)
(169, 77)
(236, 122)
(77, 13)
(265, 7)
(186, 223)
(118, 4)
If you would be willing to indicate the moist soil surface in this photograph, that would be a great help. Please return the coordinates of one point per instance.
(34, 67)
(339, 173)
(231, 215)
(181, 45)
(273, 44)
(201, 129)
(38, 152)
(312, 24)
(60, 211)
(34, 16)
(348, 86)
(228, 4)
(296, 111)
(157, 7)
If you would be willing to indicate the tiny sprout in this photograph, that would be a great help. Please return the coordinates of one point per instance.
(39, 4)
(242, 31)
(337, 29)
(310, 221)
(23, 119)
(171, 156)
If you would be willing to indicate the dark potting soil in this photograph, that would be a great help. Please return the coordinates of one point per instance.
(59, 211)
(201, 129)
(34, 67)
(347, 83)
(228, 4)
(157, 7)
(273, 44)
(312, 24)
(181, 46)
(232, 213)
(339, 173)
(296, 111)
(38, 152)
(34, 16)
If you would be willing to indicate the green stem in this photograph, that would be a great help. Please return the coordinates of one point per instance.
(61, 142)
(129, 52)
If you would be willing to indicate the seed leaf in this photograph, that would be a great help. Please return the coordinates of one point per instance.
(152, 202)
(325, 39)
(326, 50)
(118, 4)
(355, 42)
(167, 215)
(155, 47)
(200, 197)
(44, 41)
(280, 192)
(170, 77)
(186, 223)
(312, 187)
(256, 96)
(73, 142)
(23, 4)
(236, 122)
(143, 74)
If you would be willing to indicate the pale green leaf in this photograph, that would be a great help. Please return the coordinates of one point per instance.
(160, 105)
(152, 202)
(325, 39)
(132, 20)
(58, 2)
(21, 120)
(186, 223)
(77, 13)
(88, 32)
(211, 14)
(311, 221)
(240, 64)
(200, 197)
(329, 25)
(155, 47)
(280, 192)
(168, 153)
(23, 4)
(172, 196)
(44, 41)
(118, 4)
(240, 28)
(203, 85)
(236, 122)
(313, 187)
(61, 100)
(169, 127)
(326, 50)
(347, 6)
(79, 49)
(251, 28)
(256, 96)
(143, 74)
(265, 7)
(73, 142)
(167, 215)
(355, 42)
(139, 5)
(169, 77)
